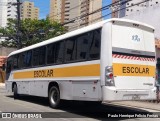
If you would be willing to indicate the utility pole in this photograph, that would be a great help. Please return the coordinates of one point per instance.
(17, 38)
(19, 43)
(18, 25)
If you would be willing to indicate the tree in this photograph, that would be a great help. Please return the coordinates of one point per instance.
(31, 32)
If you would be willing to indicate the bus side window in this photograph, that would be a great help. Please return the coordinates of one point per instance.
(35, 57)
(39, 56)
(70, 52)
(51, 54)
(27, 58)
(42, 55)
(15, 61)
(59, 52)
(94, 50)
(83, 42)
(9, 65)
(20, 61)
(55, 53)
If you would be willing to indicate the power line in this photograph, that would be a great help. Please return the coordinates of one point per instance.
(120, 10)
(112, 12)
(69, 9)
(87, 5)
(125, 8)
(98, 10)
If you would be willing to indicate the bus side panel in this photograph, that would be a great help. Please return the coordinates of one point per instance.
(65, 87)
(8, 87)
(38, 88)
(87, 90)
(23, 87)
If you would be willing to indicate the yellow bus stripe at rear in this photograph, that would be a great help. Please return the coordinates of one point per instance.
(75, 71)
(88, 70)
(120, 69)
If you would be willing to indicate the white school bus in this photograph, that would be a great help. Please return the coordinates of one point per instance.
(112, 60)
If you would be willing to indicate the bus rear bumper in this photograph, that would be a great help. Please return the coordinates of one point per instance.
(113, 94)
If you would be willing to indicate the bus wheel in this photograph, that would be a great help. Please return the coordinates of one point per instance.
(15, 91)
(54, 97)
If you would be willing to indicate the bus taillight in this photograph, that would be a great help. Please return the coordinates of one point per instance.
(109, 79)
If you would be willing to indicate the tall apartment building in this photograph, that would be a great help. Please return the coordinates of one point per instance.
(135, 8)
(12, 9)
(95, 5)
(28, 10)
(66, 10)
(3, 13)
(70, 11)
(7, 10)
(55, 12)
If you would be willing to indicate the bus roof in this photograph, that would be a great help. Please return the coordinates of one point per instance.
(76, 32)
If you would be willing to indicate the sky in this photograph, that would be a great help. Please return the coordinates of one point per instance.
(104, 3)
(44, 7)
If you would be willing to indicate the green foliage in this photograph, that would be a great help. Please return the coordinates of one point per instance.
(31, 32)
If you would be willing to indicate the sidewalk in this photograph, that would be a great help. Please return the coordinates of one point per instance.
(2, 84)
(140, 104)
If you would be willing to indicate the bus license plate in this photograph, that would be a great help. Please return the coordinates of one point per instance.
(135, 97)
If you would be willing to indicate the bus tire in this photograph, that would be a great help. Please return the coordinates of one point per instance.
(15, 91)
(54, 97)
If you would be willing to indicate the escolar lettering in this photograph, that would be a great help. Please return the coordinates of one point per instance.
(135, 70)
(43, 73)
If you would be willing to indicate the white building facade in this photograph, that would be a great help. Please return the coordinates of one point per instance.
(3, 13)
(12, 9)
(128, 8)
(7, 10)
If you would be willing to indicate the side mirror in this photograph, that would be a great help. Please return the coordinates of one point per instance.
(3, 67)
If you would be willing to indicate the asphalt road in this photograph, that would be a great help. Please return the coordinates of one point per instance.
(69, 111)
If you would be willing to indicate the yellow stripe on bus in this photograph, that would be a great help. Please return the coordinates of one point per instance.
(75, 71)
(120, 69)
(88, 70)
